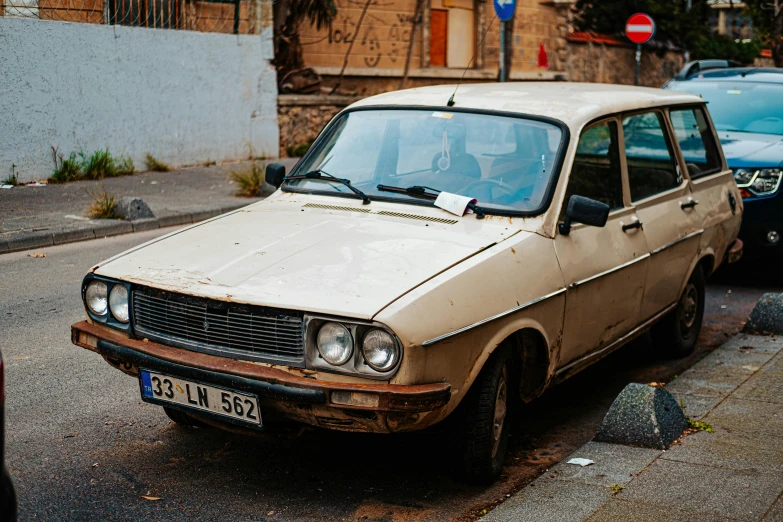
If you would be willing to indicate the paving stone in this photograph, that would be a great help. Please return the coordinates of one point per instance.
(696, 406)
(737, 451)
(623, 510)
(754, 418)
(776, 513)
(766, 385)
(201, 215)
(767, 315)
(744, 495)
(642, 415)
(112, 227)
(554, 500)
(614, 464)
(175, 219)
(80, 232)
(141, 225)
(28, 239)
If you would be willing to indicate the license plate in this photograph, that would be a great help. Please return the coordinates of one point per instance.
(198, 396)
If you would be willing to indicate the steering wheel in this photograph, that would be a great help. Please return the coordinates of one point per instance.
(491, 184)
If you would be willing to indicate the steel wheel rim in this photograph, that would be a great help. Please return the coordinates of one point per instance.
(501, 408)
(689, 304)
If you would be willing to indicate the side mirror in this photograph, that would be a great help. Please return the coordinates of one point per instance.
(275, 173)
(584, 210)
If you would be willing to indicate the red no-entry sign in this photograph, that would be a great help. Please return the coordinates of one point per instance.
(640, 28)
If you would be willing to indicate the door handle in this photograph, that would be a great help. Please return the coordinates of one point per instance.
(690, 204)
(629, 226)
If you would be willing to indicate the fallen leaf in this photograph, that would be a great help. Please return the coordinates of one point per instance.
(36, 254)
(151, 499)
(95, 465)
(656, 384)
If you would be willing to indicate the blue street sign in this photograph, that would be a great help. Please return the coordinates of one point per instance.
(505, 9)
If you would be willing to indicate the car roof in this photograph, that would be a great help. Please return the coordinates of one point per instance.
(735, 74)
(575, 104)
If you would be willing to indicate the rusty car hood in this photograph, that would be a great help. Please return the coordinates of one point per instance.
(294, 256)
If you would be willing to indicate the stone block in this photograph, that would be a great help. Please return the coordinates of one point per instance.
(27, 239)
(643, 416)
(132, 208)
(140, 225)
(767, 315)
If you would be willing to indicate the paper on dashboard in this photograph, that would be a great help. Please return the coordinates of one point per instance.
(453, 203)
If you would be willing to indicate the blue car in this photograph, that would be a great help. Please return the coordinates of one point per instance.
(746, 105)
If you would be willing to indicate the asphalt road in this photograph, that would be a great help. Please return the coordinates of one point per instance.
(82, 446)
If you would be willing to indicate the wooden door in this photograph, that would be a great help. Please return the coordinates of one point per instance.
(439, 32)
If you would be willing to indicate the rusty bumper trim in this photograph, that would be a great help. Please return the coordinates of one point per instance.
(392, 397)
(265, 389)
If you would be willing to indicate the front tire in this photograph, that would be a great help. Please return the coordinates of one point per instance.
(676, 334)
(484, 421)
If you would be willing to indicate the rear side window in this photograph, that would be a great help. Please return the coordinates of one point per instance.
(648, 153)
(697, 141)
(596, 173)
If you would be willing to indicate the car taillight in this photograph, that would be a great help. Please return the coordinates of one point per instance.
(745, 193)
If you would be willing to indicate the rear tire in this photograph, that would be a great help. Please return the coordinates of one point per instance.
(675, 335)
(183, 419)
(484, 421)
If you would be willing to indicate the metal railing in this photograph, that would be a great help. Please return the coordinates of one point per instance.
(220, 16)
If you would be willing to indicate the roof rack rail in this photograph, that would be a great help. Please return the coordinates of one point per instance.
(696, 66)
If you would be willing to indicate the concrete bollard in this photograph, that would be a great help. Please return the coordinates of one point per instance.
(767, 315)
(133, 209)
(643, 415)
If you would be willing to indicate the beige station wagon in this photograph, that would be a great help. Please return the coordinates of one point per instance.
(434, 254)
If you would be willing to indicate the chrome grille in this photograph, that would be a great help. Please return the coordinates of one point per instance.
(218, 327)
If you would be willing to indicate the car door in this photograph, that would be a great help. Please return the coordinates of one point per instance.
(717, 204)
(604, 268)
(664, 206)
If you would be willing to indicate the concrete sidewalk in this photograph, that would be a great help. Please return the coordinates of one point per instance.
(34, 217)
(735, 473)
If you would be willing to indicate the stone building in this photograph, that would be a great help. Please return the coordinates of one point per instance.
(372, 39)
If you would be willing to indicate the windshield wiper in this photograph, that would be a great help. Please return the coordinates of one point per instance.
(322, 175)
(428, 193)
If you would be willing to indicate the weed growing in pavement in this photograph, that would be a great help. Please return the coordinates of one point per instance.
(209, 163)
(155, 164)
(12, 179)
(103, 206)
(101, 164)
(616, 488)
(249, 180)
(700, 426)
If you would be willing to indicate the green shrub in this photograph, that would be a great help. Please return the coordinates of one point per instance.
(70, 169)
(297, 151)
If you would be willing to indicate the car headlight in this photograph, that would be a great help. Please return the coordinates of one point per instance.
(95, 297)
(335, 343)
(380, 350)
(118, 303)
(761, 182)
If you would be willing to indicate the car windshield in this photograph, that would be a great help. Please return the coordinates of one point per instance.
(741, 106)
(506, 163)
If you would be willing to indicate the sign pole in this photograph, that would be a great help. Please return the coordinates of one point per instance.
(638, 63)
(505, 12)
(502, 51)
(640, 29)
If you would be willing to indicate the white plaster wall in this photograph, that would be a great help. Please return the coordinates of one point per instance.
(182, 96)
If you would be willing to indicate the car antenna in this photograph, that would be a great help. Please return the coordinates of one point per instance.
(450, 103)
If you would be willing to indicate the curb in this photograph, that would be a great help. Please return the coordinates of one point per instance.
(37, 238)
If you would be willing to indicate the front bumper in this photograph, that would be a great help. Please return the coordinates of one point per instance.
(282, 395)
(762, 215)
